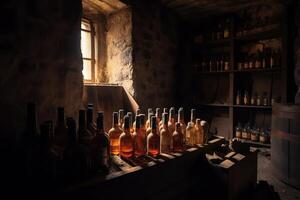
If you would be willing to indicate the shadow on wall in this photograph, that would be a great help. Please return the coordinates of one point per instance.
(108, 99)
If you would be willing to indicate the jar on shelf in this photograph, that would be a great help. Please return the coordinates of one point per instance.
(258, 100)
(264, 136)
(253, 99)
(246, 133)
(246, 98)
(238, 98)
(238, 131)
(265, 99)
(255, 134)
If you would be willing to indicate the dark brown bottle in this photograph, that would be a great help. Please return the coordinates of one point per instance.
(30, 144)
(60, 132)
(75, 155)
(49, 158)
(101, 146)
(89, 120)
(84, 136)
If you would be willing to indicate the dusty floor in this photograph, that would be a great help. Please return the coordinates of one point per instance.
(284, 191)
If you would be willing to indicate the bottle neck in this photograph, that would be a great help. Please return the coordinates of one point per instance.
(100, 123)
(89, 116)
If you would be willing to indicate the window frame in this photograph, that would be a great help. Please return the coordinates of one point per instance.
(93, 49)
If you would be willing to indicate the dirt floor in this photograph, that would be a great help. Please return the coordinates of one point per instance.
(281, 190)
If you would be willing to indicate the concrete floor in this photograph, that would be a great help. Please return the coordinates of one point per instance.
(284, 191)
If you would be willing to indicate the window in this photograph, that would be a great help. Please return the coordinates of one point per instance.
(88, 50)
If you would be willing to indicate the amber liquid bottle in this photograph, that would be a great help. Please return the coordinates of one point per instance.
(182, 123)
(177, 139)
(60, 132)
(171, 122)
(89, 120)
(114, 134)
(126, 140)
(139, 138)
(199, 133)
(165, 136)
(153, 140)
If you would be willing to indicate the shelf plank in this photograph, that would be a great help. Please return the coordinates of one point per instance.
(244, 71)
(215, 105)
(250, 106)
(255, 144)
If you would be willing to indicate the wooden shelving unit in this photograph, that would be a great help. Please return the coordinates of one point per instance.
(233, 43)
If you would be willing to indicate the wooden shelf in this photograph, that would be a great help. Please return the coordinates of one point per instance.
(225, 42)
(256, 144)
(272, 32)
(257, 70)
(215, 72)
(216, 105)
(249, 106)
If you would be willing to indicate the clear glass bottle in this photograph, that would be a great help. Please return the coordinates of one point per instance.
(190, 134)
(153, 140)
(177, 139)
(165, 135)
(199, 134)
(139, 138)
(114, 134)
(171, 122)
(265, 99)
(101, 146)
(126, 140)
(182, 123)
(193, 116)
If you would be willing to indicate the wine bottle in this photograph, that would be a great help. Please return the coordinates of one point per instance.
(153, 140)
(101, 146)
(165, 135)
(139, 138)
(125, 140)
(114, 134)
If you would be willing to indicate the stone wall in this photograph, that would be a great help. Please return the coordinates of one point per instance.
(155, 53)
(40, 60)
(297, 53)
(119, 49)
